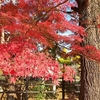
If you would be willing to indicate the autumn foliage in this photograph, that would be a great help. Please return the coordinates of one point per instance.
(26, 23)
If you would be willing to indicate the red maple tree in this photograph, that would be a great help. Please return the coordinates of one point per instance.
(33, 22)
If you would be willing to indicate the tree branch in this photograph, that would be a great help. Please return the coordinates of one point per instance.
(50, 10)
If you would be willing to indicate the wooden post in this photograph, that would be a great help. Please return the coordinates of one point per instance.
(26, 85)
(63, 89)
(63, 86)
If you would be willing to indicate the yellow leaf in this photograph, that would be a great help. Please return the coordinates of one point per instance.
(61, 60)
(65, 50)
(78, 57)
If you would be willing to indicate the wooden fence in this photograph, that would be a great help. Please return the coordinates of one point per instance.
(30, 88)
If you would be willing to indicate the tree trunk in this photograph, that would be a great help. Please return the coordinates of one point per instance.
(90, 76)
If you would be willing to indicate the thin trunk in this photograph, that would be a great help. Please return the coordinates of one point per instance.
(63, 89)
(90, 76)
(2, 37)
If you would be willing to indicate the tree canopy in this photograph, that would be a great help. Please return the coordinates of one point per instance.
(26, 23)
